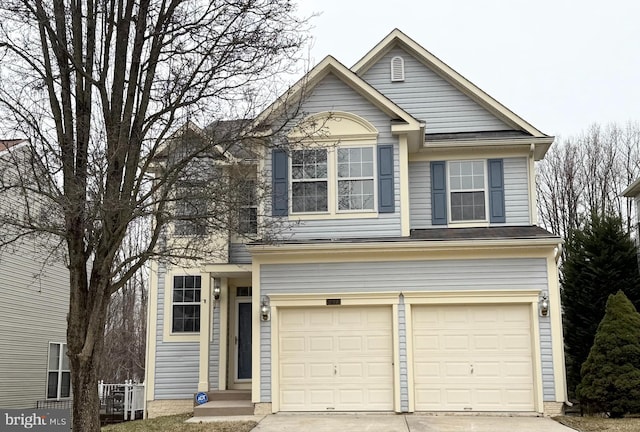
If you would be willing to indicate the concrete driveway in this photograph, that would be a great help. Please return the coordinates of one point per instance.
(404, 423)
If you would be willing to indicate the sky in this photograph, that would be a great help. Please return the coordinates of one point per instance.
(561, 65)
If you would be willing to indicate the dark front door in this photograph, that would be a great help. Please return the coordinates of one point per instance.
(244, 341)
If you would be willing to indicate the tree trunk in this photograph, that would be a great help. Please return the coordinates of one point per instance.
(86, 406)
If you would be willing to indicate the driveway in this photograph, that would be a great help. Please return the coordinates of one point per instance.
(404, 423)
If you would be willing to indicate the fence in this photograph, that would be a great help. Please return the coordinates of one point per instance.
(121, 402)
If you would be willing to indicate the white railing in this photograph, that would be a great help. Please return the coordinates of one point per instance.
(126, 398)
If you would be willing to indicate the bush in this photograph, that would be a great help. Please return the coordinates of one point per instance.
(611, 373)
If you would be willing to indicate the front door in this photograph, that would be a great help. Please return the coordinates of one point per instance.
(240, 364)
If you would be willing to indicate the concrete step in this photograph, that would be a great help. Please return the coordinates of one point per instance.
(228, 395)
(224, 408)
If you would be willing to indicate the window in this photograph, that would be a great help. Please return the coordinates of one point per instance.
(309, 180)
(248, 211)
(467, 190)
(58, 373)
(355, 178)
(190, 211)
(186, 304)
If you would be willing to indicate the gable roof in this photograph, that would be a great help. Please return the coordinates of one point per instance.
(403, 121)
(398, 38)
(632, 190)
(6, 144)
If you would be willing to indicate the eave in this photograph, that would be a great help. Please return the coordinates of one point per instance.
(538, 145)
(633, 190)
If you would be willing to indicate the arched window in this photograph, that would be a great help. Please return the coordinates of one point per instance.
(397, 69)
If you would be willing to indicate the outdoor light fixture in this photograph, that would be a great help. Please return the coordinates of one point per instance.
(265, 310)
(216, 288)
(543, 303)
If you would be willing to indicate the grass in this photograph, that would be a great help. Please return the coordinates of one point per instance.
(176, 423)
(600, 424)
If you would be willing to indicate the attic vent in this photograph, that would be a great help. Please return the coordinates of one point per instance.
(397, 69)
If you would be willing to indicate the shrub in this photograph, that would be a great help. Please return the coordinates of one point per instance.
(611, 373)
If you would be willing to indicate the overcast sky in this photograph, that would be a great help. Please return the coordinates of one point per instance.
(560, 64)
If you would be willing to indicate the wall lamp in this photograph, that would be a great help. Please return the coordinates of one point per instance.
(265, 309)
(216, 288)
(543, 303)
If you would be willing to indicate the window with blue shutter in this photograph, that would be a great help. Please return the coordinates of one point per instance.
(280, 168)
(438, 193)
(496, 191)
(386, 198)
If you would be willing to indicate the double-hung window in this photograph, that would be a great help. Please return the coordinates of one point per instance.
(248, 211)
(309, 181)
(58, 372)
(186, 304)
(467, 186)
(355, 178)
(190, 210)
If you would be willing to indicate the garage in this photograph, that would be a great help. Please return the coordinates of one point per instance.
(335, 358)
(472, 357)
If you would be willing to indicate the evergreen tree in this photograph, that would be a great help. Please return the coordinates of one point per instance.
(600, 260)
(611, 374)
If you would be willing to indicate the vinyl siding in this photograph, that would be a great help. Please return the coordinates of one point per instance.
(546, 357)
(451, 275)
(177, 363)
(430, 98)
(402, 339)
(239, 254)
(334, 95)
(516, 193)
(214, 349)
(34, 301)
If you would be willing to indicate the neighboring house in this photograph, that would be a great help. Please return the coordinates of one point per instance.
(413, 276)
(633, 191)
(34, 300)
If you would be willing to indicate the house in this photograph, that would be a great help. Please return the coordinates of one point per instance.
(633, 192)
(413, 276)
(34, 300)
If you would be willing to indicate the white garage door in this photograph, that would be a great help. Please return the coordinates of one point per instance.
(336, 358)
(473, 358)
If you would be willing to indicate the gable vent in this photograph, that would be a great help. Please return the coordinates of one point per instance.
(397, 69)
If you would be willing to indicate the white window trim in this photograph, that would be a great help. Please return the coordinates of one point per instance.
(59, 370)
(332, 187)
(471, 222)
(167, 332)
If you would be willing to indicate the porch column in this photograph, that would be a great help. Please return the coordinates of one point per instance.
(205, 331)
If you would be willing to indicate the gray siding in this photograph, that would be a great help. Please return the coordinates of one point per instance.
(460, 275)
(546, 356)
(34, 301)
(419, 195)
(428, 97)
(177, 363)
(265, 361)
(334, 95)
(214, 349)
(239, 254)
(402, 339)
(516, 191)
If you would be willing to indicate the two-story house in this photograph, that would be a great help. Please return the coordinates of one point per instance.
(34, 300)
(413, 276)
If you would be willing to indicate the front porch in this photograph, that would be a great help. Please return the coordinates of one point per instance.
(225, 363)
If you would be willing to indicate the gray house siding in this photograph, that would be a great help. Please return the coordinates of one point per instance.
(34, 301)
(451, 275)
(177, 363)
(402, 340)
(430, 98)
(239, 254)
(334, 95)
(546, 354)
(516, 193)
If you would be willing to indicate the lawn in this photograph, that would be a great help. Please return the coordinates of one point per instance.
(176, 423)
(600, 424)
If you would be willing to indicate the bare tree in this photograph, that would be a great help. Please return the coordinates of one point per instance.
(100, 88)
(585, 175)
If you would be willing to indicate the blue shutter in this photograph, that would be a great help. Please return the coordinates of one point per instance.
(496, 191)
(280, 168)
(438, 193)
(386, 199)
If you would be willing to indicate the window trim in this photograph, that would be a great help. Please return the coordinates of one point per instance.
(333, 211)
(60, 371)
(468, 222)
(167, 331)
